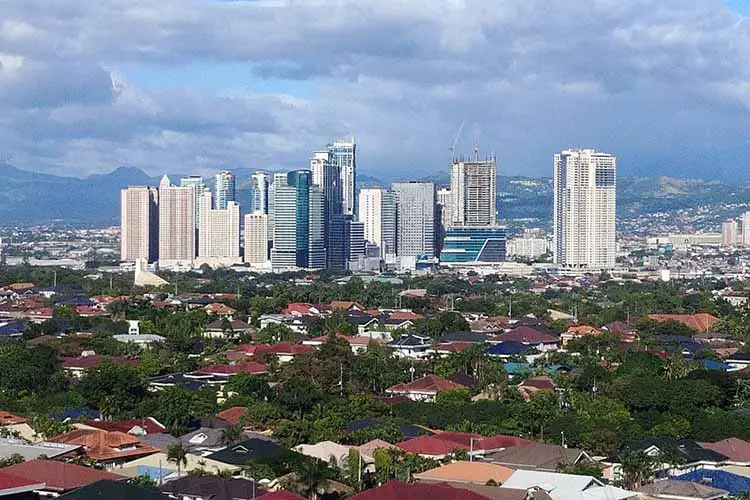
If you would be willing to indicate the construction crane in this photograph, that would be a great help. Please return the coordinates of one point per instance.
(455, 141)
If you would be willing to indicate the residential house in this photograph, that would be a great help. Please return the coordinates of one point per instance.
(533, 385)
(566, 486)
(107, 448)
(228, 329)
(158, 467)
(738, 361)
(138, 427)
(58, 477)
(541, 341)
(578, 332)
(396, 490)
(113, 490)
(211, 488)
(424, 389)
(737, 452)
(735, 484)
(16, 487)
(509, 349)
(333, 454)
(12, 446)
(220, 310)
(411, 346)
(16, 426)
(227, 370)
(441, 445)
(538, 456)
(672, 489)
(701, 322)
(203, 441)
(250, 450)
(76, 367)
(493, 324)
(465, 472)
(233, 415)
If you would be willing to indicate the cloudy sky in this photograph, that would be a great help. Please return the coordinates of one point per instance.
(193, 85)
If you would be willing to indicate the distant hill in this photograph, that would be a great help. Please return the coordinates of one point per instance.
(31, 197)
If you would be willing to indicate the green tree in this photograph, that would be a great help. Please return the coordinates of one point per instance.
(177, 454)
(637, 469)
(115, 390)
(231, 435)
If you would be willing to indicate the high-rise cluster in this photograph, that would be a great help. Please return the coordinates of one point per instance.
(736, 234)
(298, 219)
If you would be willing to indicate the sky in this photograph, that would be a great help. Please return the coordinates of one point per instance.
(192, 86)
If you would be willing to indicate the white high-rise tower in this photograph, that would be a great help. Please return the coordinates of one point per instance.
(139, 223)
(176, 223)
(584, 209)
(343, 154)
(377, 211)
(219, 233)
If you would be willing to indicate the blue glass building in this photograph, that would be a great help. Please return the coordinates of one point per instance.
(465, 245)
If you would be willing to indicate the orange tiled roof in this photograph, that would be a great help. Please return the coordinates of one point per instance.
(106, 445)
(702, 322)
(233, 415)
(467, 472)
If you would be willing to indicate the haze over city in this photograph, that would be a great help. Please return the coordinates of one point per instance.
(192, 86)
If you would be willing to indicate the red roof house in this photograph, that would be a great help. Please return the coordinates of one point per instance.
(702, 322)
(232, 369)
(737, 450)
(529, 336)
(10, 419)
(15, 485)
(425, 388)
(58, 477)
(233, 415)
(444, 443)
(137, 427)
(396, 490)
(106, 446)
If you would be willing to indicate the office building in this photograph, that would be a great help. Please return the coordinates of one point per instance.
(729, 233)
(355, 241)
(473, 193)
(139, 224)
(584, 209)
(415, 216)
(746, 229)
(326, 176)
(219, 233)
(259, 192)
(256, 239)
(197, 183)
(444, 205)
(225, 191)
(299, 225)
(377, 211)
(176, 223)
(343, 154)
(473, 245)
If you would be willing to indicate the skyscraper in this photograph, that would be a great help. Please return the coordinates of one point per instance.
(377, 211)
(196, 182)
(327, 177)
(299, 225)
(259, 193)
(176, 223)
(219, 234)
(343, 154)
(224, 189)
(746, 229)
(139, 223)
(473, 193)
(355, 243)
(415, 202)
(729, 233)
(584, 209)
(256, 239)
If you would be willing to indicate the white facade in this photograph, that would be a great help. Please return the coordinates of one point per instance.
(219, 234)
(529, 248)
(584, 209)
(377, 211)
(729, 233)
(225, 191)
(259, 194)
(473, 199)
(444, 201)
(256, 239)
(415, 202)
(176, 224)
(138, 223)
(746, 229)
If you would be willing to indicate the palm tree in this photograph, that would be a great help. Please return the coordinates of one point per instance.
(231, 434)
(177, 454)
(312, 477)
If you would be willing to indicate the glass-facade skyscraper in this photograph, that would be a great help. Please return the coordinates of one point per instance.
(259, 193)
(225, 189)
(343, 154)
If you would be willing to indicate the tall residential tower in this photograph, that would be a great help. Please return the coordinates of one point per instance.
(139, 223)
(584, 209)
(473, 193)
(176, 223)
(415, 202)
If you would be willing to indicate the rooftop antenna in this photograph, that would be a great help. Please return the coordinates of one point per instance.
(476, 142)
(455, 141)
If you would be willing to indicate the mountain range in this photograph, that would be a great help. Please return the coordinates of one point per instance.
(35, 198)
